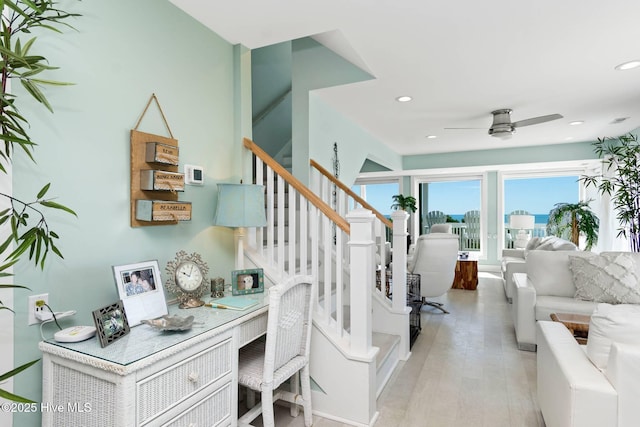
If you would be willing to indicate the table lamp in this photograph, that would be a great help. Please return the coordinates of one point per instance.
(240, 206)
(522, 223)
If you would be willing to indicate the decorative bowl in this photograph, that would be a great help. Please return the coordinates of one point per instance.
(170, 323)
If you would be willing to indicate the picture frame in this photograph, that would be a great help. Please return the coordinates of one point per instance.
(140, 289)
(111, 323)
(250, 281)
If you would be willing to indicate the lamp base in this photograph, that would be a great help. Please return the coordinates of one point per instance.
(522, 238)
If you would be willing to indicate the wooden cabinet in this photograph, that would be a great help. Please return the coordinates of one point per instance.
(150, 378)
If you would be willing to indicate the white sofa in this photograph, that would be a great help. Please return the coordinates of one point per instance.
(575, 387)
(514, 260)
(548, 287)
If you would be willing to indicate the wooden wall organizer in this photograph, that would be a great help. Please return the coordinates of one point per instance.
(165, 161)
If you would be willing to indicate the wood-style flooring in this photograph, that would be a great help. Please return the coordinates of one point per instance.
(465, 370)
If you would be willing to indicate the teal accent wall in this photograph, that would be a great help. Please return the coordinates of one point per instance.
(120, 54)
(327, 126)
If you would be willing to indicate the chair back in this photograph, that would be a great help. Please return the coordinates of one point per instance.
(288, 324)
(435, 261)
(472, 230)
(441, 228)
(431, 218)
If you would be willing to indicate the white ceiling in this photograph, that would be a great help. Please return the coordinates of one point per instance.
(460, 60)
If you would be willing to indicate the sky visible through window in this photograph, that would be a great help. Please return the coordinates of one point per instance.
(539, 195)
(535, 195)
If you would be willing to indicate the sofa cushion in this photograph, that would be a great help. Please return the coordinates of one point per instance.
(550, 274)
(609, 277)
(549, 243)
(553, 243)
(612, 323)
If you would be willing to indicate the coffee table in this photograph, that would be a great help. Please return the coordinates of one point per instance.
(578, 324)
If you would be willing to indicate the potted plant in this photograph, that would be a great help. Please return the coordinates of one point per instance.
(569, 220)
(26, 224)
(620, 179)
(405, 203)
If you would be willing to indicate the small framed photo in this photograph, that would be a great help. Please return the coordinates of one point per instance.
(247, 281)
(140, 289)
(111, 323)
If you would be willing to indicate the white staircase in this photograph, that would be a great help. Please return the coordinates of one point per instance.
(350, 363)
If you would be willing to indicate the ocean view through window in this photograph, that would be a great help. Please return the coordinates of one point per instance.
(537, 196)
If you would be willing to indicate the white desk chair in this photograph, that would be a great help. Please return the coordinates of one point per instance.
(264, 366)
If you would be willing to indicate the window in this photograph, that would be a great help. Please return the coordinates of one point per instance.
(377, 194)
(536, 195)
(457, 201)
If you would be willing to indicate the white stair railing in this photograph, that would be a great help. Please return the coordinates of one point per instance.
(340, 197)
(305, 235)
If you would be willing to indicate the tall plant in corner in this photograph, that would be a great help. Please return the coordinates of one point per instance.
(620, 178)
(29, 233)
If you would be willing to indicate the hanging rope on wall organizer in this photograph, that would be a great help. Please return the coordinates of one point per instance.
(164, 119)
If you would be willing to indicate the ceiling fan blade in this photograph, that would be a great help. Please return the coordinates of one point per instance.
(462, 128)
(536, 120)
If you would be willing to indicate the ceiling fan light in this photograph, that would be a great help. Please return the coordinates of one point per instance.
(576, 123)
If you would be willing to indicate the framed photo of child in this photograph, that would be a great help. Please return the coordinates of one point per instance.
(249, 281)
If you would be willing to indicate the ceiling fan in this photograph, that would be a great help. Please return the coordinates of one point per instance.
(503, 127)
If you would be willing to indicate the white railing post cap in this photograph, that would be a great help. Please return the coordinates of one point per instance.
(360, 215)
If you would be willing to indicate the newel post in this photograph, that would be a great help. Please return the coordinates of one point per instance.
(361, 249)
(399, 270)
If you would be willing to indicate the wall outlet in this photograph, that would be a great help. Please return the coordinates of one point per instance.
(36, 305)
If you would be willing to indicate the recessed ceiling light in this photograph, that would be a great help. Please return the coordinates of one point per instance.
(569, 138)
(404, 98)
(431, 136)
(628, 65)
(576, 123)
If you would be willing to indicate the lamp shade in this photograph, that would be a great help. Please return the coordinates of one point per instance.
(240, 205)
(526, 222)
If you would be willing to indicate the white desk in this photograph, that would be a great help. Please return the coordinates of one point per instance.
(149, 377)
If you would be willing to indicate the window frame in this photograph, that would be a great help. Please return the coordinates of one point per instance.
(531, 174)
(417, 180)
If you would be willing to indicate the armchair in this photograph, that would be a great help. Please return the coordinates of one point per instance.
(434, 260)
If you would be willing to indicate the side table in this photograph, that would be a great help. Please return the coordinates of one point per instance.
(466, 275)
(578, 324)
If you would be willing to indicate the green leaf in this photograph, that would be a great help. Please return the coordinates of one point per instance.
(17, 370)
(14, 397)
(54, 205)
(43, 191)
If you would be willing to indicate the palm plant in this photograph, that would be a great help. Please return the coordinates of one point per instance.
(406, 203)
(569, 220)
(620, 178)
(29, 230)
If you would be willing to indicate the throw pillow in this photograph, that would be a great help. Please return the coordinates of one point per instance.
(550, 274)
(553, 243)
(610, 278)
(531, 245)
(609, 324)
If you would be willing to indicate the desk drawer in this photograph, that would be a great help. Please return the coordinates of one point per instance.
(214, 410)
(159, 392)
(252, 329)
